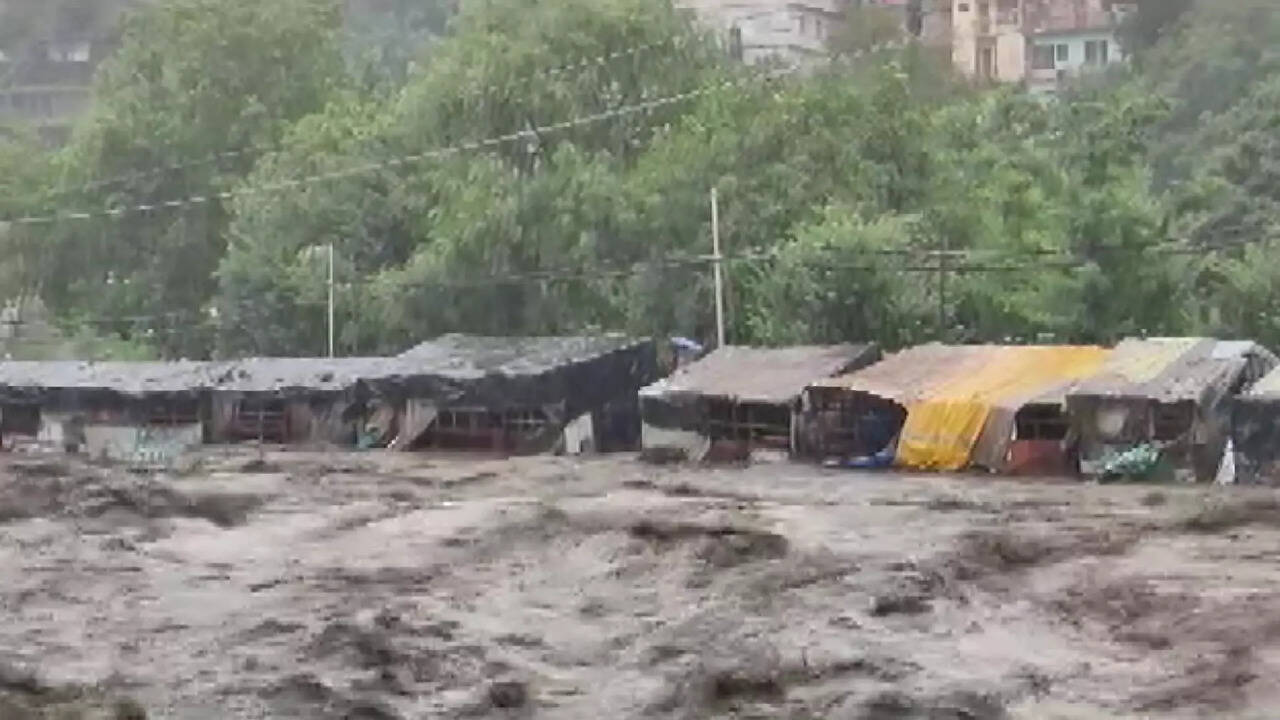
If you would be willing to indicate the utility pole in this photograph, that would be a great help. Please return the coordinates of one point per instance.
(331, 334)
(942, 290)
(718, 259)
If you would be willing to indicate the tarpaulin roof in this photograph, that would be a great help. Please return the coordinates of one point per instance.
(1170, 370)
(305, 374)
(463, 356)
(909, 374)
(444, 365)
(764, 375)
(129, 378)
(961, 399)
(970, 418)
(249, 375)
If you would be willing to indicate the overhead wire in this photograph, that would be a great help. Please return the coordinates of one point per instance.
(581, 64)
(1045, 259)
(959, 262)
(603, 272)
(603, 60)
(400, 161)
(586, 63)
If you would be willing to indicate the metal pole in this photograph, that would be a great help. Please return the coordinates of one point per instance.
(718, 259)
(331, 344)
(942, 297)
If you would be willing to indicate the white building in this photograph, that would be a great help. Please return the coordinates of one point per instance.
(794, 32)
(1035, 42)
(1059, 55)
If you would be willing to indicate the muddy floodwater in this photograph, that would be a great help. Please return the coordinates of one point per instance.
(380, 586)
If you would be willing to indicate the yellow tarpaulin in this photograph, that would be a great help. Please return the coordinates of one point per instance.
(943, 426)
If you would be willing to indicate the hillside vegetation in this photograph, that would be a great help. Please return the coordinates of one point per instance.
(545, 167)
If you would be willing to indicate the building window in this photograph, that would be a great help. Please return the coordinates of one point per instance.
(962, 7)
(78, 52)
(1095, 52)
(804, 24)
(1063, 53)
(987, 63)
(1007, 12)
(1042, 57)
(735, 43)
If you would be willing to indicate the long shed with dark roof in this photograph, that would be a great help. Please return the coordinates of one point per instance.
(504, 394)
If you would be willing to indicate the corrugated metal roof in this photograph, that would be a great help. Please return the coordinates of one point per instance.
(134, 378)
(1171, 370)
(912, 373)
(767, 375)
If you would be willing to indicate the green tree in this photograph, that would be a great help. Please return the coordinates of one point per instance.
(839, 279)
(26, 177)
(420, 240)
(1232, 214)
(1153, 20)
(385, 43)
(198, 87)
(866, 30)
(1214, 60)
(778, 155)
(1116, 225)
(521, 182)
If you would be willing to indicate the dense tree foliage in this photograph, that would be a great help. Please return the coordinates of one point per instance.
(545, 166)
(196, 92)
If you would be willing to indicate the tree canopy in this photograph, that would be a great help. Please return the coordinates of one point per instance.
(544, 166)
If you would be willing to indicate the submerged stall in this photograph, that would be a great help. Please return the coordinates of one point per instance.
(1255, 432)
(1164, 402)
(949, 407)
(740, 398)
(527, 394)
(133, 411)
(509, 395)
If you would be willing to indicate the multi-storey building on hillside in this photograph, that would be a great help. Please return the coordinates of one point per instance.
(48, 52)
(794, 32)
(1036, 42)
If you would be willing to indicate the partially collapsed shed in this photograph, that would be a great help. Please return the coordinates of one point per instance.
(948, 407)
(740, 397)
(510, 395)
(524, 394)
(1172, 394)
(1255, 432)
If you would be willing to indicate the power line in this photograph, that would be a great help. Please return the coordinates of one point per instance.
(913, 262)
(583, 64)
(600, 60)
(958, 262)
(366, 168)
